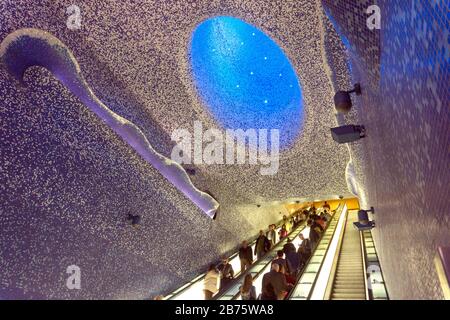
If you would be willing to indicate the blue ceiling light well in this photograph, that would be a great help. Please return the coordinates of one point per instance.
(245, 78)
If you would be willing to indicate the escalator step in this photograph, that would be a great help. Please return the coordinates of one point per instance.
(351, 296)
(349, 290)
(350, 286)
(340, 280)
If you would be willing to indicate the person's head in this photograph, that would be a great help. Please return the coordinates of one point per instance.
(284, 217)
(280, 253)
(325, 203)
(261, 232)
(248, 282)
(159, 297)
(271, 227)
(301, 236)
(309, 222)
(275, 267)
(244, 244)
(282, 269)
(283, 226)
(211, 267)
(289, 240)
(225, 260)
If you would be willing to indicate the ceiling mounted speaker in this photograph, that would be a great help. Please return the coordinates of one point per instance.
(343, 101)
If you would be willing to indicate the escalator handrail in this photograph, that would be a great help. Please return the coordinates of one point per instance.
(364, 256)
(378, 265)
(332, 277)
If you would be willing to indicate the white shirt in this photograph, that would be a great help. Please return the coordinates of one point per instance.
(211, 281)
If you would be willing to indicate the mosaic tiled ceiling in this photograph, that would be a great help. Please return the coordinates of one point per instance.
(68, 181)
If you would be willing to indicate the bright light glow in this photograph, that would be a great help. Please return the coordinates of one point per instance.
(324, 275)
(219, 61)
(236, 264)
(297, 241)
(258, 281)
(195, 292)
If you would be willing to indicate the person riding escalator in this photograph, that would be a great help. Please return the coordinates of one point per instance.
(226, 273)
(303, 252)
(245, 256)
(262, 245)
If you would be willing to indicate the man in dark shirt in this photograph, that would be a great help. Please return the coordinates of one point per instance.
(313, 234)
(262, 245)
(245, 256)
(277, 280)
(226, 273)
(304, 251)
(289, 246)
(291, 257)
(280, 261)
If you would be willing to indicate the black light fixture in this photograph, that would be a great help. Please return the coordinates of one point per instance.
(134, 219)
(348, 133)
(190, 171)
(343, 104)
(363, 220)
(342, 100)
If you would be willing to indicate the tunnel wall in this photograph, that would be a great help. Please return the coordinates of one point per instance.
(403, 161)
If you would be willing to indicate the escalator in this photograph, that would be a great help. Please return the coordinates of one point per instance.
(262, 266)
(344, 266)
(309, 279)
(349, 281)
(193, 290)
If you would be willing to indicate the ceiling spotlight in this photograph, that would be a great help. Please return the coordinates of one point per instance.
(190, 171)
(258, 205)
(364, 223)
(134, 219)
(348, 133)
(342, 100)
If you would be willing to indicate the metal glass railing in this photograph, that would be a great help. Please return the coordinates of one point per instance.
(193, 290)
(374, 277)
(308, 278)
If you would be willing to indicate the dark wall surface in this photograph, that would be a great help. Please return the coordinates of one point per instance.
(404, 168)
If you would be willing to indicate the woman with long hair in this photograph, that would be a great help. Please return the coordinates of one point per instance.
(248, 290)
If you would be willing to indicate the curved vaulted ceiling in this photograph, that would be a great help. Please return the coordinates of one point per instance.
(70, 180)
